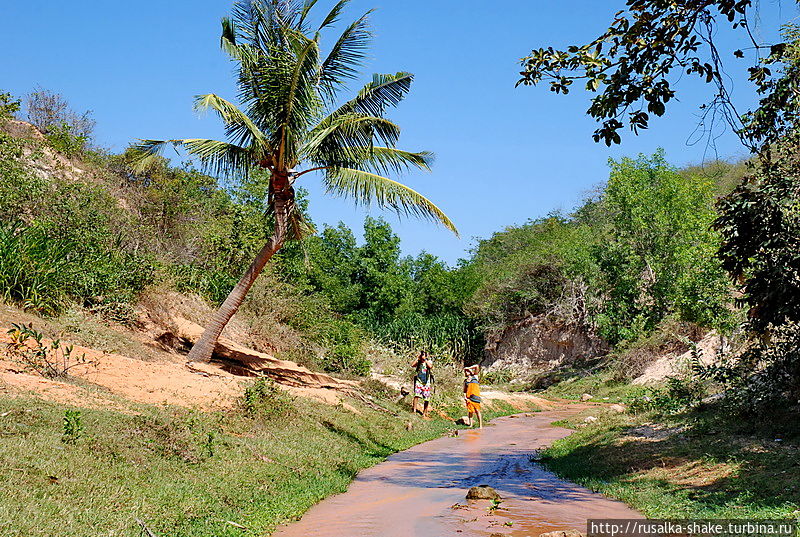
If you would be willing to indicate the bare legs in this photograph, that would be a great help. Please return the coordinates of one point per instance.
(480, 418)
(425, 407)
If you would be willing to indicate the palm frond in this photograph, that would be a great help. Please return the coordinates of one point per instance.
(346, 55)
(385, 160)
(333, 15)
(308, 5)
(366, 188)
(238, 126)
(353, 130)
(214, 156)
(385, 91)
(298, 101)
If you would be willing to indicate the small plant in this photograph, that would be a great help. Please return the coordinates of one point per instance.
(498, 376)
(9, 106)
(73, 427)
(495, 505)
(676, 396)
(27, 346)
(64, 139)
(264, 398)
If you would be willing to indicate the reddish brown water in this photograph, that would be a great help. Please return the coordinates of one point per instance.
(421, 492)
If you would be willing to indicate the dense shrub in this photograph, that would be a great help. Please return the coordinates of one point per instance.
(639, 250)
(263, 398)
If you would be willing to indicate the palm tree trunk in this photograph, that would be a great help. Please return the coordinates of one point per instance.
(204, 348)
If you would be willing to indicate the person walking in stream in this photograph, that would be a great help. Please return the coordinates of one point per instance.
(472, 395)
(423, 382)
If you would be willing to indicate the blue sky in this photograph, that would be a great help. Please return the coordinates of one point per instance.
(504, 155)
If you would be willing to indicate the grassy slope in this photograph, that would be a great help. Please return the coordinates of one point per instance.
(701, 464)
(185, 473)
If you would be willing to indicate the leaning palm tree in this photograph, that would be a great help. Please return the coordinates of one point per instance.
(288, 123)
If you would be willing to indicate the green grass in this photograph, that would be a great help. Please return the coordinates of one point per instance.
(186, 473)
(602, 386)
(710, 467)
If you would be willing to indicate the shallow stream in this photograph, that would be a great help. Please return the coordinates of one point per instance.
(421, 492)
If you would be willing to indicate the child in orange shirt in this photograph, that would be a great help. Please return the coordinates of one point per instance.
(472, 394)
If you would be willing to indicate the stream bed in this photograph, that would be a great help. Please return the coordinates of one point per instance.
(421, 492)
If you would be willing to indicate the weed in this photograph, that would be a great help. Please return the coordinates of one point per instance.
(72, 427)
(498, 376)
(263, 398)
(27, 347)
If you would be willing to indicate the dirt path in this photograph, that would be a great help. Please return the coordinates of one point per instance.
(421, 492)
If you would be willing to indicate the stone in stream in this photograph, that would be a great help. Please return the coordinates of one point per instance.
(567, 533)
(482, 492)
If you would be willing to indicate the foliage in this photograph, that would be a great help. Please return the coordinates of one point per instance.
(8, 106)
(760, 224)
(20, 189)
(677, 395)
(762, 376)
(67, 130)
(658, 256)
(402, 301)
(633, 65)
(345, 348)
(635, 253)
(450, 336)
(62, 138)
(51, 360)
(265, 399)
(34, 268)
(759, 220)
(72, 427)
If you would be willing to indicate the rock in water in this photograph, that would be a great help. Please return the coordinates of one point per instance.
(482, 492)
(567, 533)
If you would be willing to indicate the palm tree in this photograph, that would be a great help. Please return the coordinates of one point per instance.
(288, 124)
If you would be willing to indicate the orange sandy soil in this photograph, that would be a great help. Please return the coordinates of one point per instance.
(112, 380)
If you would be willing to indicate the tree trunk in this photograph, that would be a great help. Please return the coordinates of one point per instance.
(204, 348)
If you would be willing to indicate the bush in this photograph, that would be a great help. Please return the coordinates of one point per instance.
(64, 139)
(498, 376)
(345, 342)
(8, 106)
(452, 337)
(42, 268)
(72, 427)
(49, 360)
(763, 375)
(677, 396)
(264, 399)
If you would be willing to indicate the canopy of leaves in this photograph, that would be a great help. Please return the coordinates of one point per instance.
(288, 120)
(639, 251)
(632, 67)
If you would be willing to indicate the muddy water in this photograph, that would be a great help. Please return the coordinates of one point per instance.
(421, 492)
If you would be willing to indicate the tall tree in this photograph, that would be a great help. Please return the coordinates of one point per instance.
(288, 124)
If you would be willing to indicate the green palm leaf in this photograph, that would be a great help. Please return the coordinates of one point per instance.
(239, 127)
(346, 55)
(366, 188)
(217, 157)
